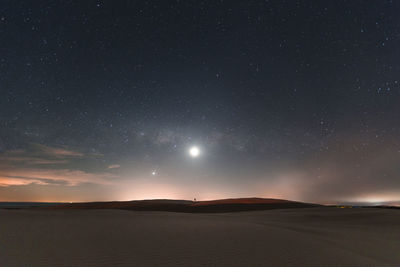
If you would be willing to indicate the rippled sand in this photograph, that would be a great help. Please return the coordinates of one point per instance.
(291, 237)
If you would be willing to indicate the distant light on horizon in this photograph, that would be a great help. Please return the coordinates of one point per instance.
(388, 198)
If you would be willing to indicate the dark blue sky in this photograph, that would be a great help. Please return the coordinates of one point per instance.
(290, 99)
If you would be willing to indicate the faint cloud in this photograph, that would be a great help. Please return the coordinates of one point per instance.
(38, 154)
(114, 166)
(5, 182)
(16, 177)
(33, 160)
(58, 152)
(44, 165)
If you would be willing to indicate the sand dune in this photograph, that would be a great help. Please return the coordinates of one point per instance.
(222, 205)
(287, 237)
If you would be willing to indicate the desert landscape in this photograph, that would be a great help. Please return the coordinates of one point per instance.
(311, 236)
(199, 133)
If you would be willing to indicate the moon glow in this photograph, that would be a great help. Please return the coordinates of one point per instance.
(194, 151)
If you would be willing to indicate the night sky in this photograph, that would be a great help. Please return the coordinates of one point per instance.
(104, 100)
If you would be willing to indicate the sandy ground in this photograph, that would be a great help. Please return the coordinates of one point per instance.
(292, 237)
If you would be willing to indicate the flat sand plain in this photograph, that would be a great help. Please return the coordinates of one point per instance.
(287, 237)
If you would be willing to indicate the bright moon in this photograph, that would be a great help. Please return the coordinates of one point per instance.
(194, 151)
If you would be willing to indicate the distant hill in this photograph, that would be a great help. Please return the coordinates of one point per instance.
(26, 205)
(211, 206)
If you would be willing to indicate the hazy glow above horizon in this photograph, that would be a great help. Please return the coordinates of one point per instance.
(28, 175)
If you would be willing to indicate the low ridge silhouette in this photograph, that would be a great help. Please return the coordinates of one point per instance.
(209, 206)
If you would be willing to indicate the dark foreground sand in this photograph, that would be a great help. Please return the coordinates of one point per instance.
(290, 237)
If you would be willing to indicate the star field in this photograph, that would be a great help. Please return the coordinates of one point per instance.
(289, 99)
